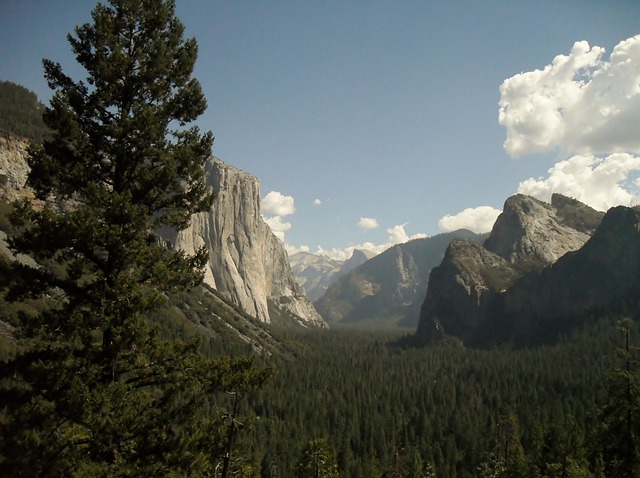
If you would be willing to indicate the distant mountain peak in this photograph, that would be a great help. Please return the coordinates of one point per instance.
(316, 272)
(388, 289)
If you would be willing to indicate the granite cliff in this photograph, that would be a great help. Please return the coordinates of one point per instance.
(600, 278)
(13, 167)
(247, 262)
(478, 293)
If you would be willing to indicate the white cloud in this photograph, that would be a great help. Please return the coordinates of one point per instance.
(478, 219)
(291, 250)
(277, 204)
(579, 103)
(278, 227)
(317, 202)
(347, 252)
(396, 235)
(367, 223)
(599, 182)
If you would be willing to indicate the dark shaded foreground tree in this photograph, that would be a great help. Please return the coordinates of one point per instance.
(93, 389)
(618, 437)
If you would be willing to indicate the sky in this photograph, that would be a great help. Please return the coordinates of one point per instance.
(369, 123)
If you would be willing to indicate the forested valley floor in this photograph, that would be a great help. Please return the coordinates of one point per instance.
(380, 411)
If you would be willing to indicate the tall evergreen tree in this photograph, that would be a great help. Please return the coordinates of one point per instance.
(618, 439)
(318, 461)
(94, 391)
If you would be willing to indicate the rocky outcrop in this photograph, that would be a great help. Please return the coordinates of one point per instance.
(476, 293)
(316, 273)
(247, 262)
(531, 230)
(460, 290)
(601, 278)
(13, 167)
(389, 287)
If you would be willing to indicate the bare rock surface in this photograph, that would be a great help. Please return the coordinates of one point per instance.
(247, 262)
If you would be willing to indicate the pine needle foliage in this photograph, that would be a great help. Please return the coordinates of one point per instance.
(93, 389)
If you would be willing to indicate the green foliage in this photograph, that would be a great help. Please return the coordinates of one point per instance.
(446, 411)
(317, 461)
(618, 436)
(575, 214)
(21, 112)
(94, 388)
(498, 278)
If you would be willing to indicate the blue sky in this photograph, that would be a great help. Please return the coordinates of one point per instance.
(370, 122)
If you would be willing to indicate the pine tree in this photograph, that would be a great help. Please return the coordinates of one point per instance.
(94, 390)
(618, 439)
(318, 461)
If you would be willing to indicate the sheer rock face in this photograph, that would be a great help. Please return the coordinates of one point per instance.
(247, 262)
(601, 277)
(532, 230)
(474, 292)
(13, 167)
(459, 292)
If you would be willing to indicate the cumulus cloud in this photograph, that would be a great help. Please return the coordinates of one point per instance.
(317, 202)
(278, 227)
(274, 206)
(397, 235)
(580, 103)
(277, 204)
(367, 223)
(599, 182)
(478, 219)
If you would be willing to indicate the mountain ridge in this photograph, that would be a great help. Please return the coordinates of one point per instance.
(388, 287)
(523, 296)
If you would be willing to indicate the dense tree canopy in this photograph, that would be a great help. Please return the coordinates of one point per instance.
(20, 112)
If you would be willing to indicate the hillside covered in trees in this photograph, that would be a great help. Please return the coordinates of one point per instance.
(452, 412)
(21, 112)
